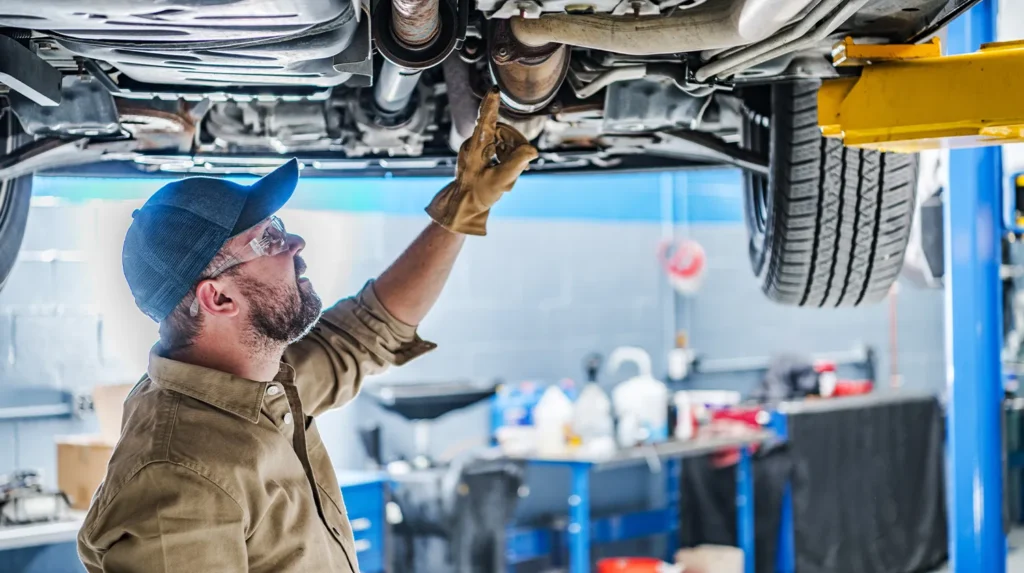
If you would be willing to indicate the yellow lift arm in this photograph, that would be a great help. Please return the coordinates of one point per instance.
(911, 97)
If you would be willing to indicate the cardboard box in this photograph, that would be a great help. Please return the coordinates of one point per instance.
(81, 466)
(711, 559)
(82, 459)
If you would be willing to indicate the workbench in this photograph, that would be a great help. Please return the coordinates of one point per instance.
(524, 544)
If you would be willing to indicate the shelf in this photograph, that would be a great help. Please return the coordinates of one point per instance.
(18, 536)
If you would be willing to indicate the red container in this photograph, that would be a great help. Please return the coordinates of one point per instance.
(630, 565)
(854, 387)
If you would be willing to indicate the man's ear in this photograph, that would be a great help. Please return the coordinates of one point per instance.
(213, 300)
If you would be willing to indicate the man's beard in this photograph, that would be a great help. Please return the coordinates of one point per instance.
(280, 314)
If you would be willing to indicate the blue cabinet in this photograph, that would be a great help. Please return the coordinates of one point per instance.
(364, 493)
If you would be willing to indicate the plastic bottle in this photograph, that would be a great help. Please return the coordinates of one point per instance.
(641, 403)
(684, 416)
(592, 421)
(552, 418)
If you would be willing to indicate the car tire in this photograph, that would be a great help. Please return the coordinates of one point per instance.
(15, 198)
(829, 224)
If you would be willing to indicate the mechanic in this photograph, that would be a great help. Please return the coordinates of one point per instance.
(219, 467)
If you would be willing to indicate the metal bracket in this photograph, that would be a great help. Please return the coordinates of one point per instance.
(520, 8)
(47, 153)
(86, 108)
(26, 402)
(636, 8)
(908, 98)
(28, 74)
(357, 58)
(850, 53)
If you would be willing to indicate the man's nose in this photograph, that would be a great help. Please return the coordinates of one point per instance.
(295, 244)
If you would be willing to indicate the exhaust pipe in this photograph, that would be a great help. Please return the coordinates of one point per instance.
(711, 25)
(394, 88)
(415, 22)
(412, 35)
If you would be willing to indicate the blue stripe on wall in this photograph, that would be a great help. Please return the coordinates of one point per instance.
(704, 196)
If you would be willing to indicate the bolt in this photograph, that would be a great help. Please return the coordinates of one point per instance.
(636, 7)
(502, 54)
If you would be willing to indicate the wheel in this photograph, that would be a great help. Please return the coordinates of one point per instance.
(15, 198)
(829, 225)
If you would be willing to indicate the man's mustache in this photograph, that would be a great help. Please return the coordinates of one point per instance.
(300, 266)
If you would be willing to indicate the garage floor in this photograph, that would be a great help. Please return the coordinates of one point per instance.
(1015, 559)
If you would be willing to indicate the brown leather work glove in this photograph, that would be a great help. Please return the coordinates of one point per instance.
(463, 205)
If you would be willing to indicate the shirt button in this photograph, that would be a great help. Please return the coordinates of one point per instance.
(273, 390)
(288, 419)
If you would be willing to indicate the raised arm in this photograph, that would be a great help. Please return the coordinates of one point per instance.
(364, 334)
(411, 285)
(490, 162)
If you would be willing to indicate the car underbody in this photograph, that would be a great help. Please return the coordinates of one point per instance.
(223, 87)
(392, 87)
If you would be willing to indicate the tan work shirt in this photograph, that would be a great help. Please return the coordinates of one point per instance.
(215, 474)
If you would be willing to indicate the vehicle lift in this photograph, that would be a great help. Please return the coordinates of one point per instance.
(909, 98)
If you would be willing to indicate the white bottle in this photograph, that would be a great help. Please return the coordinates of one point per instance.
(684, 416)
(592, 421)
(641, 403)
(552, 416)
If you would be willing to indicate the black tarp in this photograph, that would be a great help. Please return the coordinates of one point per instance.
(873, 498)
(868, 491)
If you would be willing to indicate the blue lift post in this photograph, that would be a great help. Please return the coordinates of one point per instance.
(673, 498)
(973, 336)
(745, 509)
(579, 519)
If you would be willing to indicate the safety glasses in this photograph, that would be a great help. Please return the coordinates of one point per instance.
(273, 241)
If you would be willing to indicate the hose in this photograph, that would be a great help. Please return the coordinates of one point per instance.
(815, 27)
(674, 72)
(462, 102)
(613, 75)
(820, 33)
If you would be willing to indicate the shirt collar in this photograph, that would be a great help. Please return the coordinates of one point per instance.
(233, 394)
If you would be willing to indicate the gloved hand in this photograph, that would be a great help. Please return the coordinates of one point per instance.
(463, 205)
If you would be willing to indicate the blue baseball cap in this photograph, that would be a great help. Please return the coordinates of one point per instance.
(179, 230)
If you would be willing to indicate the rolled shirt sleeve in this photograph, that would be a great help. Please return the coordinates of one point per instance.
(167, 518)
(355, 338)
